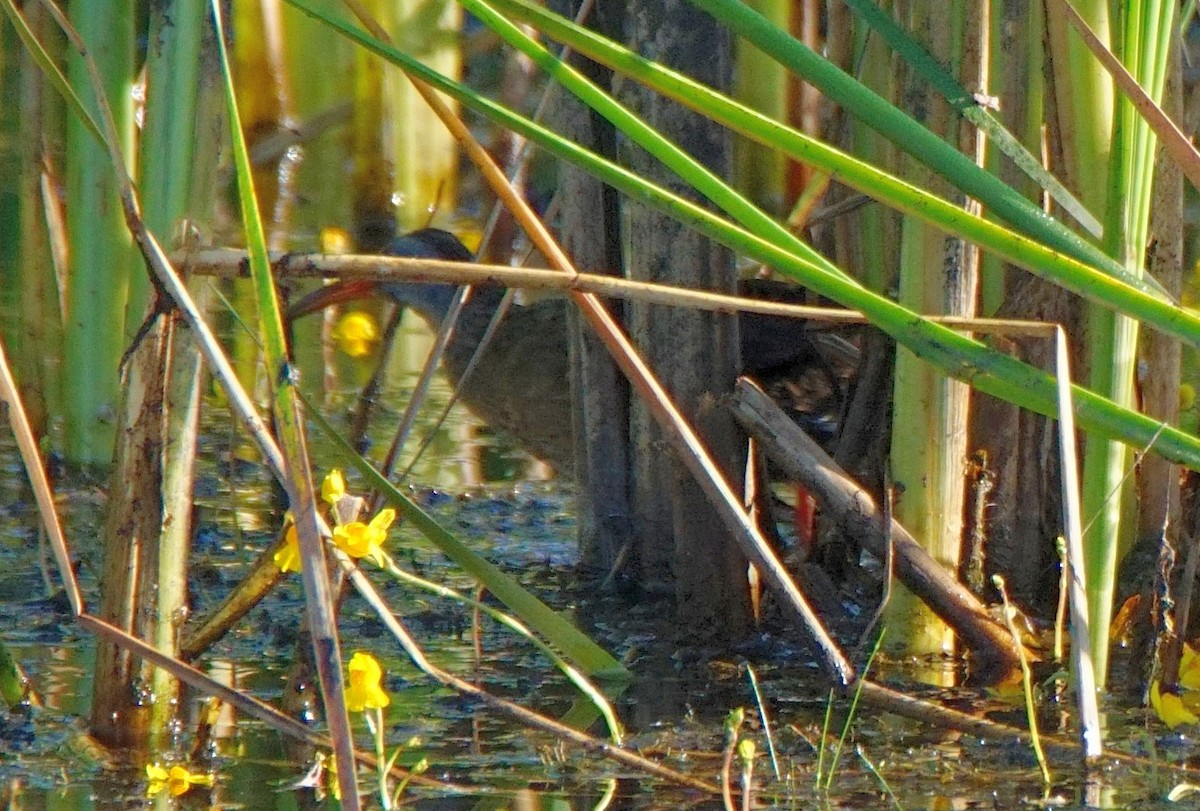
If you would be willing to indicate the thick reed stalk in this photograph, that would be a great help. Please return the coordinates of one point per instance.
(426, 155)
(36, 338)
(121, 703)
(929, 437)
(107, 283)
(1124, 200)
(168, 168)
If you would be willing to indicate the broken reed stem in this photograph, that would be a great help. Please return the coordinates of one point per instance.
(854, 510)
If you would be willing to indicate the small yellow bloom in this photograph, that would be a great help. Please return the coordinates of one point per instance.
(177, 780)
(1189, 668)
(359, 540)
(1169, 707)
(335, 787)
(333, 489)
(335, 241)
(364, 691)
(355, 334)
(287, 557)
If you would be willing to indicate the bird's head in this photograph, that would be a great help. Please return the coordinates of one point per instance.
(431, 300)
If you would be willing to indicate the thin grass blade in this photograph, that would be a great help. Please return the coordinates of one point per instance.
(317, 588)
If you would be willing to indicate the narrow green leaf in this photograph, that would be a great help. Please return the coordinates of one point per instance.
(969, 107)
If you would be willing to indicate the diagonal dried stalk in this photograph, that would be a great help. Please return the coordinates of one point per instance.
(31, 457)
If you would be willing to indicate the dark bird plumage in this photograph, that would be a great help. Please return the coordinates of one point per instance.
(521, 383)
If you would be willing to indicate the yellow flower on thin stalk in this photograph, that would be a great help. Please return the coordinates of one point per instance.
(364, 691)
(355, 539)
(359, 540)
(177, 780)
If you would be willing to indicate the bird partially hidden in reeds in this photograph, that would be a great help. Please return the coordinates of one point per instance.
(520, 384)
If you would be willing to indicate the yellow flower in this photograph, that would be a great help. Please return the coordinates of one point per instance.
(355, 334)
(176, 780)
(287, 557)
(335, 240)
(359, 540)
(1189, 668)
(333, 489)
(331, 777)
(364, 691)
(1169, 708)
